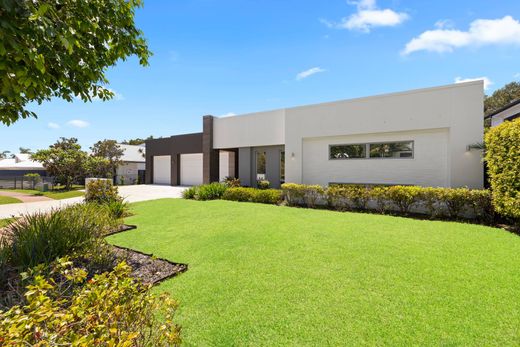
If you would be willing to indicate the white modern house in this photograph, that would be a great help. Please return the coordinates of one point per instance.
(19, 165)
(419, 137)
(132, 170)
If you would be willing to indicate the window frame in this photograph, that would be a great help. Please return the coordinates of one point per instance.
(367, 150)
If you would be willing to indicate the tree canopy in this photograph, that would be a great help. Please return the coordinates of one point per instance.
(111, 152)
(62, 48)
(502, 97)
(137, 141)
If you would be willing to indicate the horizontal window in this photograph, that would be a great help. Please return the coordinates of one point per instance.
(402, 149)
(348, 151)
(391, 150)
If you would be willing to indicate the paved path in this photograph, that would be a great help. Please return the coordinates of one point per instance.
(25, 197)
(133, 193)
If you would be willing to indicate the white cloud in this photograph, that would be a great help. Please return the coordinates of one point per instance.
(487, 81)
(78, 123)
(368, 16)
(229, 114)
(517, 75)
(53, 125)
(309, 72)
(481, 32)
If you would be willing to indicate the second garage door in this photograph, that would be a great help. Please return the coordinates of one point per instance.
(191, 169)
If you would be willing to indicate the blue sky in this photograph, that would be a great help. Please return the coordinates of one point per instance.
(237, 56)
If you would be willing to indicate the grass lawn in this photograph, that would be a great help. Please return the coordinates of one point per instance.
(53, 194)
(4, 200)
(268, 275)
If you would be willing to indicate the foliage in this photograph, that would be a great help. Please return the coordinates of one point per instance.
(137, 141)
(503, 159)
(107, 310)
(263, 196)
(24, 150)
(431, 199)
(62, 49)
(112, 152)
(455, 200)
(380, 196)
(43, 237)
(263, 184)
(296, 194)
(482, 204)
(231, 182)
(5, 154)
(502, 97)
(189, 193)
(358, 194)
(101, 191)
(118, 209)
(97, 167)
(35, 178)
(64, 160)
(212, 191)
(338, 198)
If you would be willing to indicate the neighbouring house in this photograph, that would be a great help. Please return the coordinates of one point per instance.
(20, 165)
(419, 137)
(132, 171)
(506, 113)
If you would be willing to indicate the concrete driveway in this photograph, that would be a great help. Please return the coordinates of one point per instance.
(133, 193)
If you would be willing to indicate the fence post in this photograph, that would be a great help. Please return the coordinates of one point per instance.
(15, 183)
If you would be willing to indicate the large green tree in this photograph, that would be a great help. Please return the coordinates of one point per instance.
(64, 160)
(502, 97)
(111, 152)
(62, 48)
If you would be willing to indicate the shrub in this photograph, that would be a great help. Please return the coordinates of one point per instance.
(503, 159)
(358, 195)
(43, 237)
(482, 204)
(404, 197)
(239, 194)
(337, 197)
(118, 209)
(267, 196)
(380, 197)
(212, 191)
(431, 199)
(101, 191)
(263, 184)
(189, 193)
(297, 194)
(455, 200)
(109, 309)
(232, 182)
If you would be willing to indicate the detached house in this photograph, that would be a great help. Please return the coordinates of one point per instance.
(419, 137)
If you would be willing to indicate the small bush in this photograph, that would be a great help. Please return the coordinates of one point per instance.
(431, 198)
(358, 195)
(110, 309)
(296, 194)
(118, 209)
(481, 202)
(189, 193)
(503, 159)
(212, 191)
(239, 194)
(380, 197)
(231, 182)
(404, 197)
(43, 237)
(267, 196)
(455, 200)
(263, 184)
(101, 191)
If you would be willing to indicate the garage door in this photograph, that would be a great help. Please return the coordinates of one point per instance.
(191, 169)
(162, 169)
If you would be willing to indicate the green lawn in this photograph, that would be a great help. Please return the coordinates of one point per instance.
(268, 275)
(54, 194)
(4, 200)
(5, 222)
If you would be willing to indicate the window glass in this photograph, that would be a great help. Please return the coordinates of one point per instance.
(347, 151)
(260, 166)
(282, 167)
(392, 150)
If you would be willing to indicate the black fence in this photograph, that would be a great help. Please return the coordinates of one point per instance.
(21, 182)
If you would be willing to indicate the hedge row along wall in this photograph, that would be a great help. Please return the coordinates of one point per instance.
(503, 158)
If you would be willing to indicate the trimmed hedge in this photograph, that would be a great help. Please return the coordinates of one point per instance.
(503, 159)
(436, 202)
(263, 196)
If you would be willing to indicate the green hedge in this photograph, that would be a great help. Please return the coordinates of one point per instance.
(503, 159)
(451, 203)
(263, 196)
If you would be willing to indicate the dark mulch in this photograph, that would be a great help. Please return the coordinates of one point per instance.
(147, 268)
(121, 228)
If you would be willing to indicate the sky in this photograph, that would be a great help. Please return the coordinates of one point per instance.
(226, 57)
